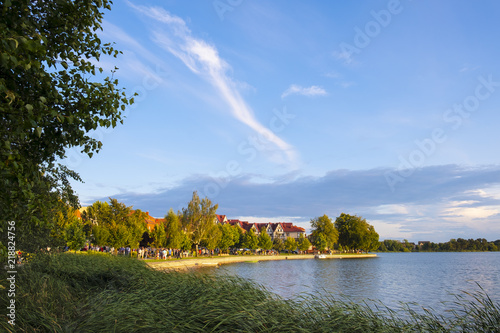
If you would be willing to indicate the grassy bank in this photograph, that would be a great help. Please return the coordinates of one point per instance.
(96, 293)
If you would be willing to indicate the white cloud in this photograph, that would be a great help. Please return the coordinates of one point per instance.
(470, 213)
(391, 209)
(204, 60)
(309, 91)
(391, 230)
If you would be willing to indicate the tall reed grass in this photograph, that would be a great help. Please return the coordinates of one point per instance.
(95, 293)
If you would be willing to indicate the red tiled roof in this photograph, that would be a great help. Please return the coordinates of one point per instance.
(261, 225)
(235, 222)
(275, 226)
(221, 218)
(246, 225)
(289, 227)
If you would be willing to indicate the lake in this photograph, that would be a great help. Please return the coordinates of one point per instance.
(425, 278)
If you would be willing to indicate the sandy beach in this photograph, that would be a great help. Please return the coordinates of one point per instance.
(215, 261)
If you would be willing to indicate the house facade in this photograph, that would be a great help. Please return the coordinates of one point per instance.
(275, 230)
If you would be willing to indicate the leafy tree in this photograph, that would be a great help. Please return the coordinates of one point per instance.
(278, 244)
(50, 100)
(186, 243)
(321, 243)
(74, 235)
(159, 235)
(240, 239)
(198, 219)
(290, 244)
(63, 218)
(303, 243)
(356, 233)
(115, 224)
(324, 234)
(250, 240)
(371, 242)
(391, 245)
(265, 241)
(214, 238)
(229, 236)
(173, 231)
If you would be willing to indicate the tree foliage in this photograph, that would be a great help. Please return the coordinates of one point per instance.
(453, 245)
(303, 243)
(229, 236)
(198, 219)
(74, 235)
(52, 95)
(250, 240)
(174, 234)
(278, 244)
(265, 242)
(115, 224)
(356, 233)
(324, 234)
(290, 244)
(159, 235)
(213, 240)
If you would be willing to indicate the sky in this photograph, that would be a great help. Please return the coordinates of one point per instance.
(283, 111)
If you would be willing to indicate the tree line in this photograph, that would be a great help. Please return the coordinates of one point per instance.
(116, 225)
(349, 233)
(453, 245)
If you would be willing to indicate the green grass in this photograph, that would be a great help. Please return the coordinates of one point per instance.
(96, 293)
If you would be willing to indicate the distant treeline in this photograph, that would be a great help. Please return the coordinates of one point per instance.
(454, 245)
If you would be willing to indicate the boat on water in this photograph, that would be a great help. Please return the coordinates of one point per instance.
(320, 256)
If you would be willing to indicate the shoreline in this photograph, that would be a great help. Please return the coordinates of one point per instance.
(217, 261)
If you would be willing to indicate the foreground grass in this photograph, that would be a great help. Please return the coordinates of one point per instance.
(95, 293)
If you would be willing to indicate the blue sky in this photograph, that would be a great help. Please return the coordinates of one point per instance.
(288, 110)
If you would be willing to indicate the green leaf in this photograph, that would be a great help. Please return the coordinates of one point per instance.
(39, 131)
(29, 107)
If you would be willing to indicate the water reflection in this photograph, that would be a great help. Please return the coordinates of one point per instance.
(425, 278)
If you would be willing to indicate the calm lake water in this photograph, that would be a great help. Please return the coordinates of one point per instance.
(425, 278)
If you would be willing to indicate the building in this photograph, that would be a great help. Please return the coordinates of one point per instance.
(275, 230)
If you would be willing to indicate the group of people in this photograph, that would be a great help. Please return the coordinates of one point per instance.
(163, 253)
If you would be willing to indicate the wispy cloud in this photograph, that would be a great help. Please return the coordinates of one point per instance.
(136, 56)
(203, 59)
(305, 91)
